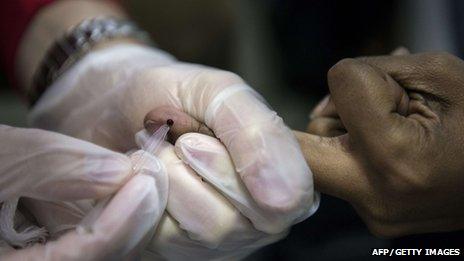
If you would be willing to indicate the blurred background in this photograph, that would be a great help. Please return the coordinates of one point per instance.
(284, 48)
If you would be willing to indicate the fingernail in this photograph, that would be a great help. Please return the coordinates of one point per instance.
(199, 142)
(198, 148)
(186, 148)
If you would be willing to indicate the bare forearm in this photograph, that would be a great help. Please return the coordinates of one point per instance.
(51, 23)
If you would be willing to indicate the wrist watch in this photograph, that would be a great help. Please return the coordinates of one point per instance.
(77, 42)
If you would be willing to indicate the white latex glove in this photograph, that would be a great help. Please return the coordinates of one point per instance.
(49, 167)
(105, 97)
(202, 221)
(206, 225)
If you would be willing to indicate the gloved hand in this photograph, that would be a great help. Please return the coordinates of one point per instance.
(51, 168)
(202, 221)
(207, 226)
(105, 97)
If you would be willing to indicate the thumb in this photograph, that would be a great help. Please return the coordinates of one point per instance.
(210, 159)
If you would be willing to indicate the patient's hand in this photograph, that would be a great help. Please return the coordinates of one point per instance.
(394, 141)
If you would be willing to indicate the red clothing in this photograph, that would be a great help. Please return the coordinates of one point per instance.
(14, 18)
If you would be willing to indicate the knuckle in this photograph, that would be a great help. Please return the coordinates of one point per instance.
(443, 57)
(440, 60)
(341, 68)
(226, 78)
(158, 74)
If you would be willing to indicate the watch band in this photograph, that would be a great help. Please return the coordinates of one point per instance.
(77, 42)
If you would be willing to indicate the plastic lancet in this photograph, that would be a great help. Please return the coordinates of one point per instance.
(152, 145)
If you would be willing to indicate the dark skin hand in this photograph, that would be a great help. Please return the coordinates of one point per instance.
(389, 140)
(399, 122)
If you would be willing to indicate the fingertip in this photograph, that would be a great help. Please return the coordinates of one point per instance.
(178, 121)
(158, 116)
(196, 140)
(320, 107)
(199, 151)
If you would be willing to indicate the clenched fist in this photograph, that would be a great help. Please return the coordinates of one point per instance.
(394, 131)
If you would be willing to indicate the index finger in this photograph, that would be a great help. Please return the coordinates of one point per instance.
(336, 171)
(369, 104)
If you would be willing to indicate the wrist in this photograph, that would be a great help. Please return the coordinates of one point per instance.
(68, 49)
(48, 25)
